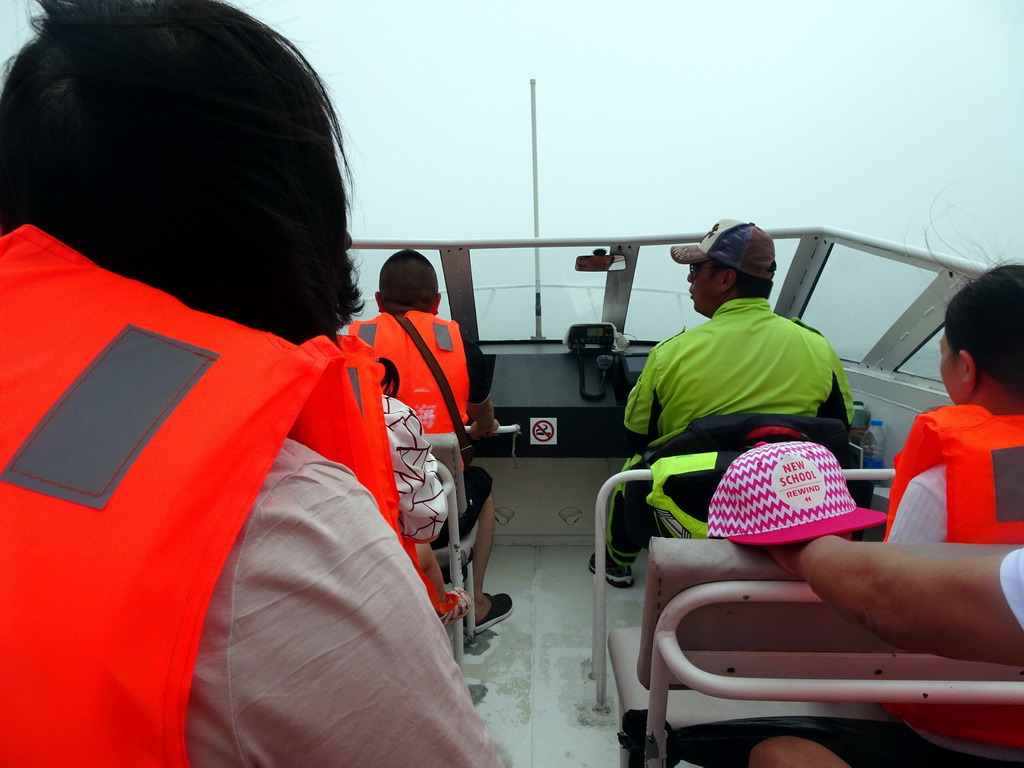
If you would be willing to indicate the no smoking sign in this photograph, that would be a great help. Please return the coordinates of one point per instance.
(543, 431)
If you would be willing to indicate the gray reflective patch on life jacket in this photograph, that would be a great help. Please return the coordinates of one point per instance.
(1008, 474)
(443, 337)
(82, 448)
(368, 332)
(353, 379)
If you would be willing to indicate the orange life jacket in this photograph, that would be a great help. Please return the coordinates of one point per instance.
(136, 434)
(361, 376)
(365, 375)
(984, 458)
(417, 387)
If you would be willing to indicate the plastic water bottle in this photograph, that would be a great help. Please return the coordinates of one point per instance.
(861, 417)
(873, 446)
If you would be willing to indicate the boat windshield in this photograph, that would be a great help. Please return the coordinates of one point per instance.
(879, 304)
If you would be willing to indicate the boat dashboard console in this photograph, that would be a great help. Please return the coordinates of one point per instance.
(569, 402)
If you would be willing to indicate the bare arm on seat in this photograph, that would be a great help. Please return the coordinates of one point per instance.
(948, 606)
(483, 423)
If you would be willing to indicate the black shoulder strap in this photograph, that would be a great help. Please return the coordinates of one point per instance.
(465, 446)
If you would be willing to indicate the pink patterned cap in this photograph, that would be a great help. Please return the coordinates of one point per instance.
(779, 493)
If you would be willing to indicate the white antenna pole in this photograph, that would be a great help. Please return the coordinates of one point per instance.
(536, 209)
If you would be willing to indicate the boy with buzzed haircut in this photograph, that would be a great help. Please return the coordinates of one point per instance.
(408, 287)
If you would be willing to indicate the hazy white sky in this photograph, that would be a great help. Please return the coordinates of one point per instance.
(886, 117)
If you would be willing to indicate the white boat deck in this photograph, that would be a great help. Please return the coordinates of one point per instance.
(530, 674)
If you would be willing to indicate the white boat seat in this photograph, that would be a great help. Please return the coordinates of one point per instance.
(446, 449)
(458, 555)
(731, 635)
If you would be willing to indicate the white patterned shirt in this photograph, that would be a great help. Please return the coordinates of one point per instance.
(421, 503)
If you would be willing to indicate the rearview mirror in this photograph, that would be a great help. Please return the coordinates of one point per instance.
(601, 261)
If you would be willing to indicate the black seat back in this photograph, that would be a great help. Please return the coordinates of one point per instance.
(729, 435)
(743, 431)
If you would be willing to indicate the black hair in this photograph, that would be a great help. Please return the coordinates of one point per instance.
(187, 145)
(407, 281)
(747, 286)
(751, 287)
(985, 319)
(390, 381)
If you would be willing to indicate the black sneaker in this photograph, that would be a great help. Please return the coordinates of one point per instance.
(617, 575)
(501, 609)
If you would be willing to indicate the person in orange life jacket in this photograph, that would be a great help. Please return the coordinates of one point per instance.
(174, 168)
(954, 481)
(408, 286)
(961, 461)
(423, 509)
(956, 475)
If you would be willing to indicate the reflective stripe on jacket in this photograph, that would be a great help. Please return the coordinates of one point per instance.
(136, 435)
(417, 386)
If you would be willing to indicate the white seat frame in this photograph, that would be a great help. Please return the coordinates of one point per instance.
(446, 450)
(599, 635)
(459, 554)
(884, 673)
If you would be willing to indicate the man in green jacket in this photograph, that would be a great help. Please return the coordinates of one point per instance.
(745, 359)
